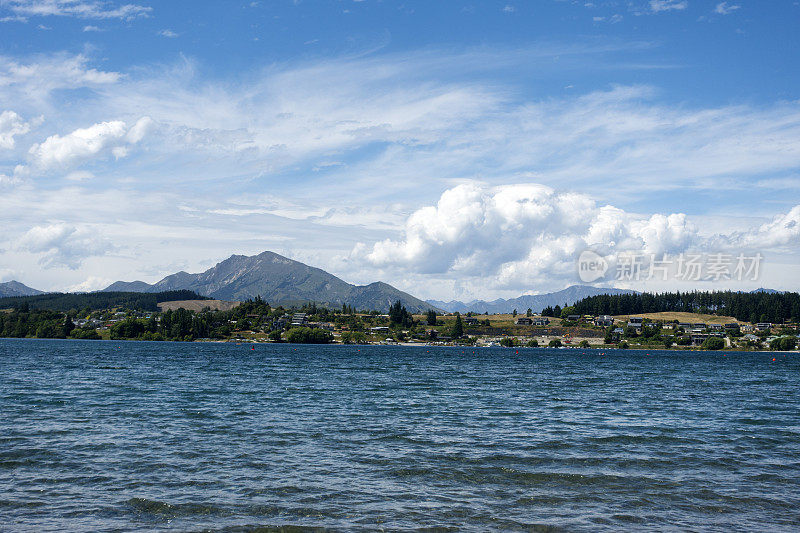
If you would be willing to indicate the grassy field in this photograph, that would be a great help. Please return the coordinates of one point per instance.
(684, 317)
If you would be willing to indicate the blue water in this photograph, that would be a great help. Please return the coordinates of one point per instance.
(114, 436)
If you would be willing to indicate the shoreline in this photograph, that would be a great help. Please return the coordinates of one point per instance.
(408, 345)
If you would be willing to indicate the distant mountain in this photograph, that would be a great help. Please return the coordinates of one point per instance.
(767, 291)
(15, 288)
(536, 302)
(128, 286)
(280, 281)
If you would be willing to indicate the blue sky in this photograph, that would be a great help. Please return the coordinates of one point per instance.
(454, 149)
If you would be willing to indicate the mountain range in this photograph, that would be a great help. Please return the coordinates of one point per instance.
(15, 288)
(280, 281)
(535, 302)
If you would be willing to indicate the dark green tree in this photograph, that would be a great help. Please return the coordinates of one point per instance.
(713, 343)
(399, 316)
(431, 317)
(458, 328)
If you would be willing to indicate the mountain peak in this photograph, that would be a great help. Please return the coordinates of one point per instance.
(15, 288)
(280, 280)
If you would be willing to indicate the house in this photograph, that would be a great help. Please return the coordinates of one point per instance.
(763, 326)
(685, 325)
(470, 321)
(716, 327)
(750, 337)
(379, 329)
(604, 321)
(524, 321)
(299, 319)
(698, 338)
(617, 334)
(731, 326)
(699, 325)
(573, 318)
(636, 323)
(541, 321)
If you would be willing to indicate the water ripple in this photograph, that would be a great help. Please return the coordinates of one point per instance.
(217, 437)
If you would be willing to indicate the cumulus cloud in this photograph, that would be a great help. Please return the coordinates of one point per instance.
(75, 8)
(59, 152)
(657, 6)
(520, 234)
(92, 283)
(62, 245)
(783, 231)
(11, 124)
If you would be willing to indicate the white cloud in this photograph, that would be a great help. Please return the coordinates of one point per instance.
(723, 8)
(7, 181)
(90, 284)
(520, 232)
(11, 124)
(657, 6)
(612, 19)
(339, 139)
(79, 175)
(783, 231)
(59, 152)
(32, 83)
(91, 28)
(62, 245)
(168, 33)
(508, 8)
(75, 8)
(520, 235)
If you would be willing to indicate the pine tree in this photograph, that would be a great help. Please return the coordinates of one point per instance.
(458, 328)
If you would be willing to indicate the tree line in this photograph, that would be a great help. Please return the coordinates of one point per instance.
(744, 306)
(93, 301)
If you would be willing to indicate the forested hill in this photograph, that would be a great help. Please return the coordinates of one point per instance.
(744, 306)
(58, 301)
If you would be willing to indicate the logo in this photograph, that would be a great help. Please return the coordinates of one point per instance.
(591, 266)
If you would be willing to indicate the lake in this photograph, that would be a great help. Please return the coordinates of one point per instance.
(115, 436)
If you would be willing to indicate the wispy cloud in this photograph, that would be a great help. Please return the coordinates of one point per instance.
(658, 6)
(74, 8)
(168, 33)
(724, 8)
(378, 135)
